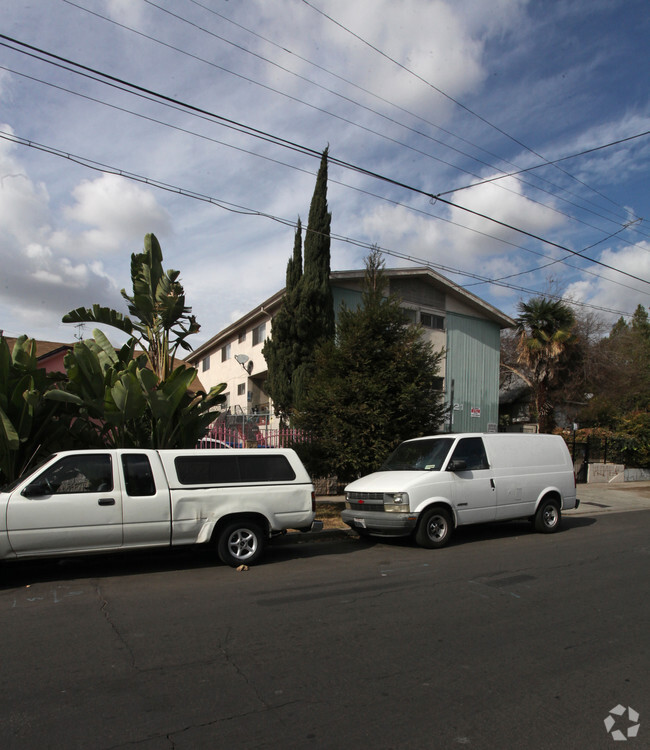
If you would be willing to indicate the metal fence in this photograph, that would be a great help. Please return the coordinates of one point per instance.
(626, 451)
(251, 435)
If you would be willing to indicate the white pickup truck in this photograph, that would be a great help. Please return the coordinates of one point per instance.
(79, 502)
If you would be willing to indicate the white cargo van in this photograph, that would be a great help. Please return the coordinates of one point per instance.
(430, 485)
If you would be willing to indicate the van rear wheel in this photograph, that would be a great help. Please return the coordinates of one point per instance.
(434, 529)
(548, 517)
(240, 543)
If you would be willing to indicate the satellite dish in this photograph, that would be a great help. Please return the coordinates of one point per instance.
(241, 358)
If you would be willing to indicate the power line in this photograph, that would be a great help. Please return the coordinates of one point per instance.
(331, 180)
(405, 111)
(451, 98)
(554, 161)
(355, 103)
(277, 140)
(236, 208)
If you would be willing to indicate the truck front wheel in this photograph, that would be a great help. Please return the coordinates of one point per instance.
(240, 543)
(434, 529)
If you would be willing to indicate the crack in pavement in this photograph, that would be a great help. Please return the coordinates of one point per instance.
(107, 616)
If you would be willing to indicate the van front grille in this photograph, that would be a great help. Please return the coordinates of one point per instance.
(366, 497)
(368, 501)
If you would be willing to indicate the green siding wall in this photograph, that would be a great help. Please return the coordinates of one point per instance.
(351, 297)
(472, 364)
(472, 372)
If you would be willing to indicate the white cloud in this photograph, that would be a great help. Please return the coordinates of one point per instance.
(613, 290)
(125, 11)
(119, 212)
(41, 280)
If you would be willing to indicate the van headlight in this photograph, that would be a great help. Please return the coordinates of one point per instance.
(396, 502)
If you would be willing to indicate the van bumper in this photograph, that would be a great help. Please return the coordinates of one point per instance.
(380, 524)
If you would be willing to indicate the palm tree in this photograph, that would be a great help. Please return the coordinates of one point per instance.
(544, 335)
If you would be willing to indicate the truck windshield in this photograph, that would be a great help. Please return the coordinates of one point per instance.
(25, 475)
(419, 455)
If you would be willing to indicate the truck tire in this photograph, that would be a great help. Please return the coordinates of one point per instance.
(435, 528)
(240, 543)
(548, 516)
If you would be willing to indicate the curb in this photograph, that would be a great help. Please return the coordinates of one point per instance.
(299, 537)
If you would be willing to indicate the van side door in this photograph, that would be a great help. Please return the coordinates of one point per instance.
(73, 504)
(473, 489)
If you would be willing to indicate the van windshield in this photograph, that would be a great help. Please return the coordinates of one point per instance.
(418, 455)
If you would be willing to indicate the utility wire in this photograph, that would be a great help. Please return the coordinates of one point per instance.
(355, 103)
(555, 161)
(239, 209)
(277, 140)
(393, 202)
(451, 98)
(347, 120)
(405, 111)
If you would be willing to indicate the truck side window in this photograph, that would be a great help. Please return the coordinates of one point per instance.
(138, 476)
(72, 474)
(233, 468)
(472, 452)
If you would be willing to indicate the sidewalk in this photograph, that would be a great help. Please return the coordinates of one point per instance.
(611, 498)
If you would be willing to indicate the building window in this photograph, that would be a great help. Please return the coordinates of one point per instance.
(410, 315)
(225, 353)
(241, 389)
(205, 364)
(242, 337)
(437, 322)
(259, 334)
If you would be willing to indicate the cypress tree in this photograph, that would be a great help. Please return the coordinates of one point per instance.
(280, 351)
(315, 308)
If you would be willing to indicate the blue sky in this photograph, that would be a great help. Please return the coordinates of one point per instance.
(435, 95)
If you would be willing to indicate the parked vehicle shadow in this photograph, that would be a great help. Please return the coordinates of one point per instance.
(18, 573)
(488, 531)
(25, 572)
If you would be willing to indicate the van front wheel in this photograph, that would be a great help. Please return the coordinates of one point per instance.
(240, 543)
(548, 517)
(434, 529)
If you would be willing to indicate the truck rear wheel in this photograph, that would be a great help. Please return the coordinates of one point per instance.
(240, 543)
(434, 529)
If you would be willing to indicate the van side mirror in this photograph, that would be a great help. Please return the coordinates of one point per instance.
(457, 464)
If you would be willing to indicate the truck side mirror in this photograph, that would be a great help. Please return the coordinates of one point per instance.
(35, 489)
(457, 464)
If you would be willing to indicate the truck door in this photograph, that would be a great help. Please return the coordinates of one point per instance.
(473, 487)
(147, 509)
(73, 504)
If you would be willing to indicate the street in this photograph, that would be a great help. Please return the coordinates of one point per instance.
(504, 639)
